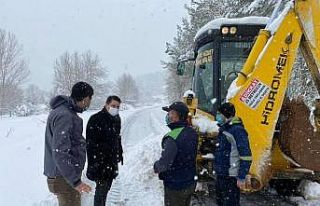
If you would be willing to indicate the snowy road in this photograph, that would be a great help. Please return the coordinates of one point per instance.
(21, 158)
(142, 133)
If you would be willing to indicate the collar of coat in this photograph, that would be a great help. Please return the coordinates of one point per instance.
(175, 125)
(233, 121)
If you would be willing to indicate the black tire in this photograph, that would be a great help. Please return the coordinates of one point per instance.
(212, 190)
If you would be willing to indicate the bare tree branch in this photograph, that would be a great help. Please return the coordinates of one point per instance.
(75, 67)
(13, 70)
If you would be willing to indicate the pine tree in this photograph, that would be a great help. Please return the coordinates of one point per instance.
(199, 13)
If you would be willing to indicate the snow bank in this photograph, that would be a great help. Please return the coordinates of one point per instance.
(311, 194)
(310, 190)
(138, 175)
(137, 183)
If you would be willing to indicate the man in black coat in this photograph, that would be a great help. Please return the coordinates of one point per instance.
(104, 148)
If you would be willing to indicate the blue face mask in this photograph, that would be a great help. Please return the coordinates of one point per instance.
(220, 118)
(167, 119)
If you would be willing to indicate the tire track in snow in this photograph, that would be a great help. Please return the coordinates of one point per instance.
(142, 124)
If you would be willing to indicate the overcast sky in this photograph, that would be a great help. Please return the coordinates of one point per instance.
(124, 33)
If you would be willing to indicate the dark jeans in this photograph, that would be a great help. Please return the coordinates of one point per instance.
(102, 189)
(67, 195)
(228, 194)
(178, 197)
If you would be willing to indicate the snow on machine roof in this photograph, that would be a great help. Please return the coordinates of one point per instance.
(217, 23)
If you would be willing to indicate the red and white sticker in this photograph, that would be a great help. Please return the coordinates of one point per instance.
(254, 94)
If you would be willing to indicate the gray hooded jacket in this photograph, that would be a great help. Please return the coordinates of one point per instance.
(65, 147)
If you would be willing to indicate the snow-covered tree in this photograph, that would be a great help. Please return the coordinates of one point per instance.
(201, 12)
(35, 101)
(151, 87)
(34, 95)
(301, 83)
(241, 8)
(75, 67)
(126, 88)
(13, 72)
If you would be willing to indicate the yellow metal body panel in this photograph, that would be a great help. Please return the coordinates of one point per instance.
(308, 12)
(260, 98)
(257, 48)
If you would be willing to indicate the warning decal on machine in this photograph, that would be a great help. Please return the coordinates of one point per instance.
(254, 94)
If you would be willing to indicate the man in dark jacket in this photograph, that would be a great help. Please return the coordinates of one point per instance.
(104, 148)
(65, 148)
(232, 156)
(177, 164)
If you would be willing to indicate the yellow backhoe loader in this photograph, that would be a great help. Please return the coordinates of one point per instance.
(248, 61)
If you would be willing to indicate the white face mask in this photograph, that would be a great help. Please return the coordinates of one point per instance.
(113, 111)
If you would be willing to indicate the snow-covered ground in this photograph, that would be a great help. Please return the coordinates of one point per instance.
(21, 159)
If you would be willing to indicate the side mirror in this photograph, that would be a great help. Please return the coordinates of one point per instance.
(181, 68)
(232, 75)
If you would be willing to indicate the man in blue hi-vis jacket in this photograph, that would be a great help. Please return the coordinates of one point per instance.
(177, 164)
(232, 156)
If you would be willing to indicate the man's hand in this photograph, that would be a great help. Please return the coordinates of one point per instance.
(83, 187)
(241, 184)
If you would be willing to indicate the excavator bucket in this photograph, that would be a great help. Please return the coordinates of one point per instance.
(298, 138)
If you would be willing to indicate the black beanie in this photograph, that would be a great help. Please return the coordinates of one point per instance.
(81, 90)
(227, 109)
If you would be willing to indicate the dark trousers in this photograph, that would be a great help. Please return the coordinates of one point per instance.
(228, 194)
(178, 197)
(67, 195)
(102, 189)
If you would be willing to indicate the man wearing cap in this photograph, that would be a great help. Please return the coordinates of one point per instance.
(177, 164)
(232, 156)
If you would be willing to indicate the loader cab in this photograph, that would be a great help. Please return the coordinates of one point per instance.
(221, 49)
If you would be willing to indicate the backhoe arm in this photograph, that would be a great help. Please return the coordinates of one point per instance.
(266, 76)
